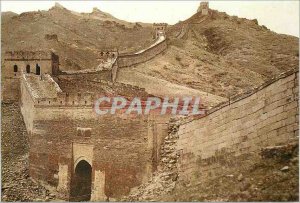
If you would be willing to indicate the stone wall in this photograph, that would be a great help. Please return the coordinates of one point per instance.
(123, 149)
(101, 75)
(27, 105)
(120, 149)
(265, 117)
(47, 61)
(11, 79)
(134, 59)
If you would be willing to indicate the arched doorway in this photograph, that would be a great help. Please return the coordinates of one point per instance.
(82, 182)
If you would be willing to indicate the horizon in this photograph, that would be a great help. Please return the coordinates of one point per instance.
(281, 16)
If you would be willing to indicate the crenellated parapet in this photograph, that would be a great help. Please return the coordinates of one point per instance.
(45, 91)
(106, 54)
(27, 55)
(67, 99)
(160, 26)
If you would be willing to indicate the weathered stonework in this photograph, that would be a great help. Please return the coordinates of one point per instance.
(121, 150)
(203, 8)
(160, 29)
(66, 134)
(18, 62)
(263, 118)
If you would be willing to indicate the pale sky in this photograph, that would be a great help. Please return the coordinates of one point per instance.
(279, 16)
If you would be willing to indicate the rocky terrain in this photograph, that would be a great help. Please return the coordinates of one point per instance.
(16, 183)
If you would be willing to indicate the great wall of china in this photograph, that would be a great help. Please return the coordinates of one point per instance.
(199, 148)
(69, 143)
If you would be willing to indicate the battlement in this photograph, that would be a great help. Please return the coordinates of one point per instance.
(104, 54)
(28, 55)
(67, 99)
(44, 91)
(160, 29)
(160, 25)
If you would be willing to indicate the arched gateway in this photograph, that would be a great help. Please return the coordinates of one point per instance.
(81, 187)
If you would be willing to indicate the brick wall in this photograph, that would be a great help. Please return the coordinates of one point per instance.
(47, 61)
(264, 118)
(125, 147)
(45, 66)
(122, 149)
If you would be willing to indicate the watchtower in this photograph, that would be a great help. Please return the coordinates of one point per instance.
(30, 62)
(160, 29)
(203, 8)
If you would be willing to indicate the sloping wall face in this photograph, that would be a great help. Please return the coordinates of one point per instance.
(27, 105)
(266, 118)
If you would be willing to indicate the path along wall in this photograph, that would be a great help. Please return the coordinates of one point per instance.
(268, 117)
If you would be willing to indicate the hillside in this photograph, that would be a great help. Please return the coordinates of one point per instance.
(76, 37)
(223, 55)
(218, 54)
(226, 155)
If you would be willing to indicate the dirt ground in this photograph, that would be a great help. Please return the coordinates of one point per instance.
(16, 183)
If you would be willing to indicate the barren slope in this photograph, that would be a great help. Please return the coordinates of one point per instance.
(217, 54)
(222, 55)
(79, 36)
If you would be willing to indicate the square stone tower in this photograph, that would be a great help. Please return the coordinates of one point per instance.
(160, 29)
(203, 8)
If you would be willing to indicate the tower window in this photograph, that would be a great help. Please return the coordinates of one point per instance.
(37, 69)
(28, 69)
(15, 68)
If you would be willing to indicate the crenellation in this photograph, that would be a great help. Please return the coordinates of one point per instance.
(67, 99)
(27, 55)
